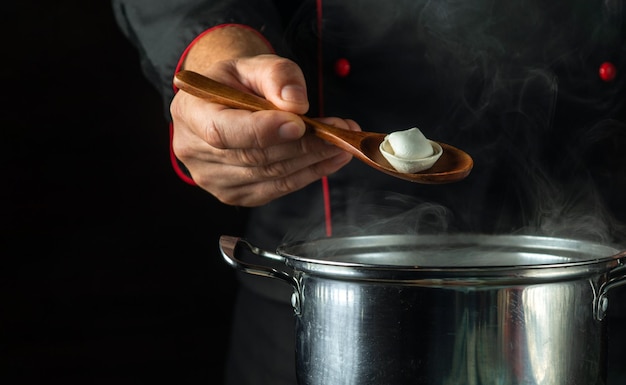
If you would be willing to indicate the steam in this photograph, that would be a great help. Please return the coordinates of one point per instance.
(574, 211)
(374, 213)
(395, 214)
(561, 176)
(569, 198)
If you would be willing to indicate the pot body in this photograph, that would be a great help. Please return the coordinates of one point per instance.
(446, 310)
(368, 333)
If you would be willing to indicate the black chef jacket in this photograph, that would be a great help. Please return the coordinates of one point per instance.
(516, 84)
(533, 90)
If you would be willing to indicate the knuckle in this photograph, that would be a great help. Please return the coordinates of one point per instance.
(304, 146)
(318, 170)
(227, 194)
(228, 198)
(281, 65)
(249, 198)
(251, 156)
(274, 170)
(231, 199)
(213, 136)
(182, 153)
(284, 186)
(182, 150)
(259, 126)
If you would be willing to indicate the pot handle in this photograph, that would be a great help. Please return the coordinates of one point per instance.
(617, 277)
(228, 245)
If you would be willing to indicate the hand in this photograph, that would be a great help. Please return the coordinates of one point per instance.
(250, 158)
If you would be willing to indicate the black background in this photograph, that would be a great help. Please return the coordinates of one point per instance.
(110, 266)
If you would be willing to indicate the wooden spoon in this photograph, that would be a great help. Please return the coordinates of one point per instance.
(452, 166)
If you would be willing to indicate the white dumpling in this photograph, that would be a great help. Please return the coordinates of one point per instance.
(410, 144)
(410, 151)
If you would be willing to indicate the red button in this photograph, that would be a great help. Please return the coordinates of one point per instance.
(342, 67)
(607, 71)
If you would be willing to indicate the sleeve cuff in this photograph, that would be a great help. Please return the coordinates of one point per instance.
(195, 40)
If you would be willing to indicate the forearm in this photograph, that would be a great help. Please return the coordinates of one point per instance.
(224, 43)
(164, 30)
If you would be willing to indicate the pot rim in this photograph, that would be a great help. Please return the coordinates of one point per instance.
(354, 257)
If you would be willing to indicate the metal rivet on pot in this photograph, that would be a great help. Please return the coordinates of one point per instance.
(603, 305)
(295, 302)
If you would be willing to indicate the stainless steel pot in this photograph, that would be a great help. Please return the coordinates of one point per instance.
(445, 309)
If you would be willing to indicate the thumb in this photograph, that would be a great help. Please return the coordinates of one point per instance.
(293, 97)
(279, 80)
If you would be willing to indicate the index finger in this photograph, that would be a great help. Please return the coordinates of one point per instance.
(240, 129)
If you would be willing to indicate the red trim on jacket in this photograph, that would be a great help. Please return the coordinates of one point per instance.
(325, 186)
(320, 98)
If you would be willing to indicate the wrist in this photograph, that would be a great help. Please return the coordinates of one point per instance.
(223, 42)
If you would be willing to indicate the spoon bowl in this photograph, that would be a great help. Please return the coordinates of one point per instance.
(453, 165)
(411, 165)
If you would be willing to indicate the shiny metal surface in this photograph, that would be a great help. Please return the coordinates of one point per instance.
(364, 333)
(378, 310)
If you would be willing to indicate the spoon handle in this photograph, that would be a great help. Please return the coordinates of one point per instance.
(207, 88)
